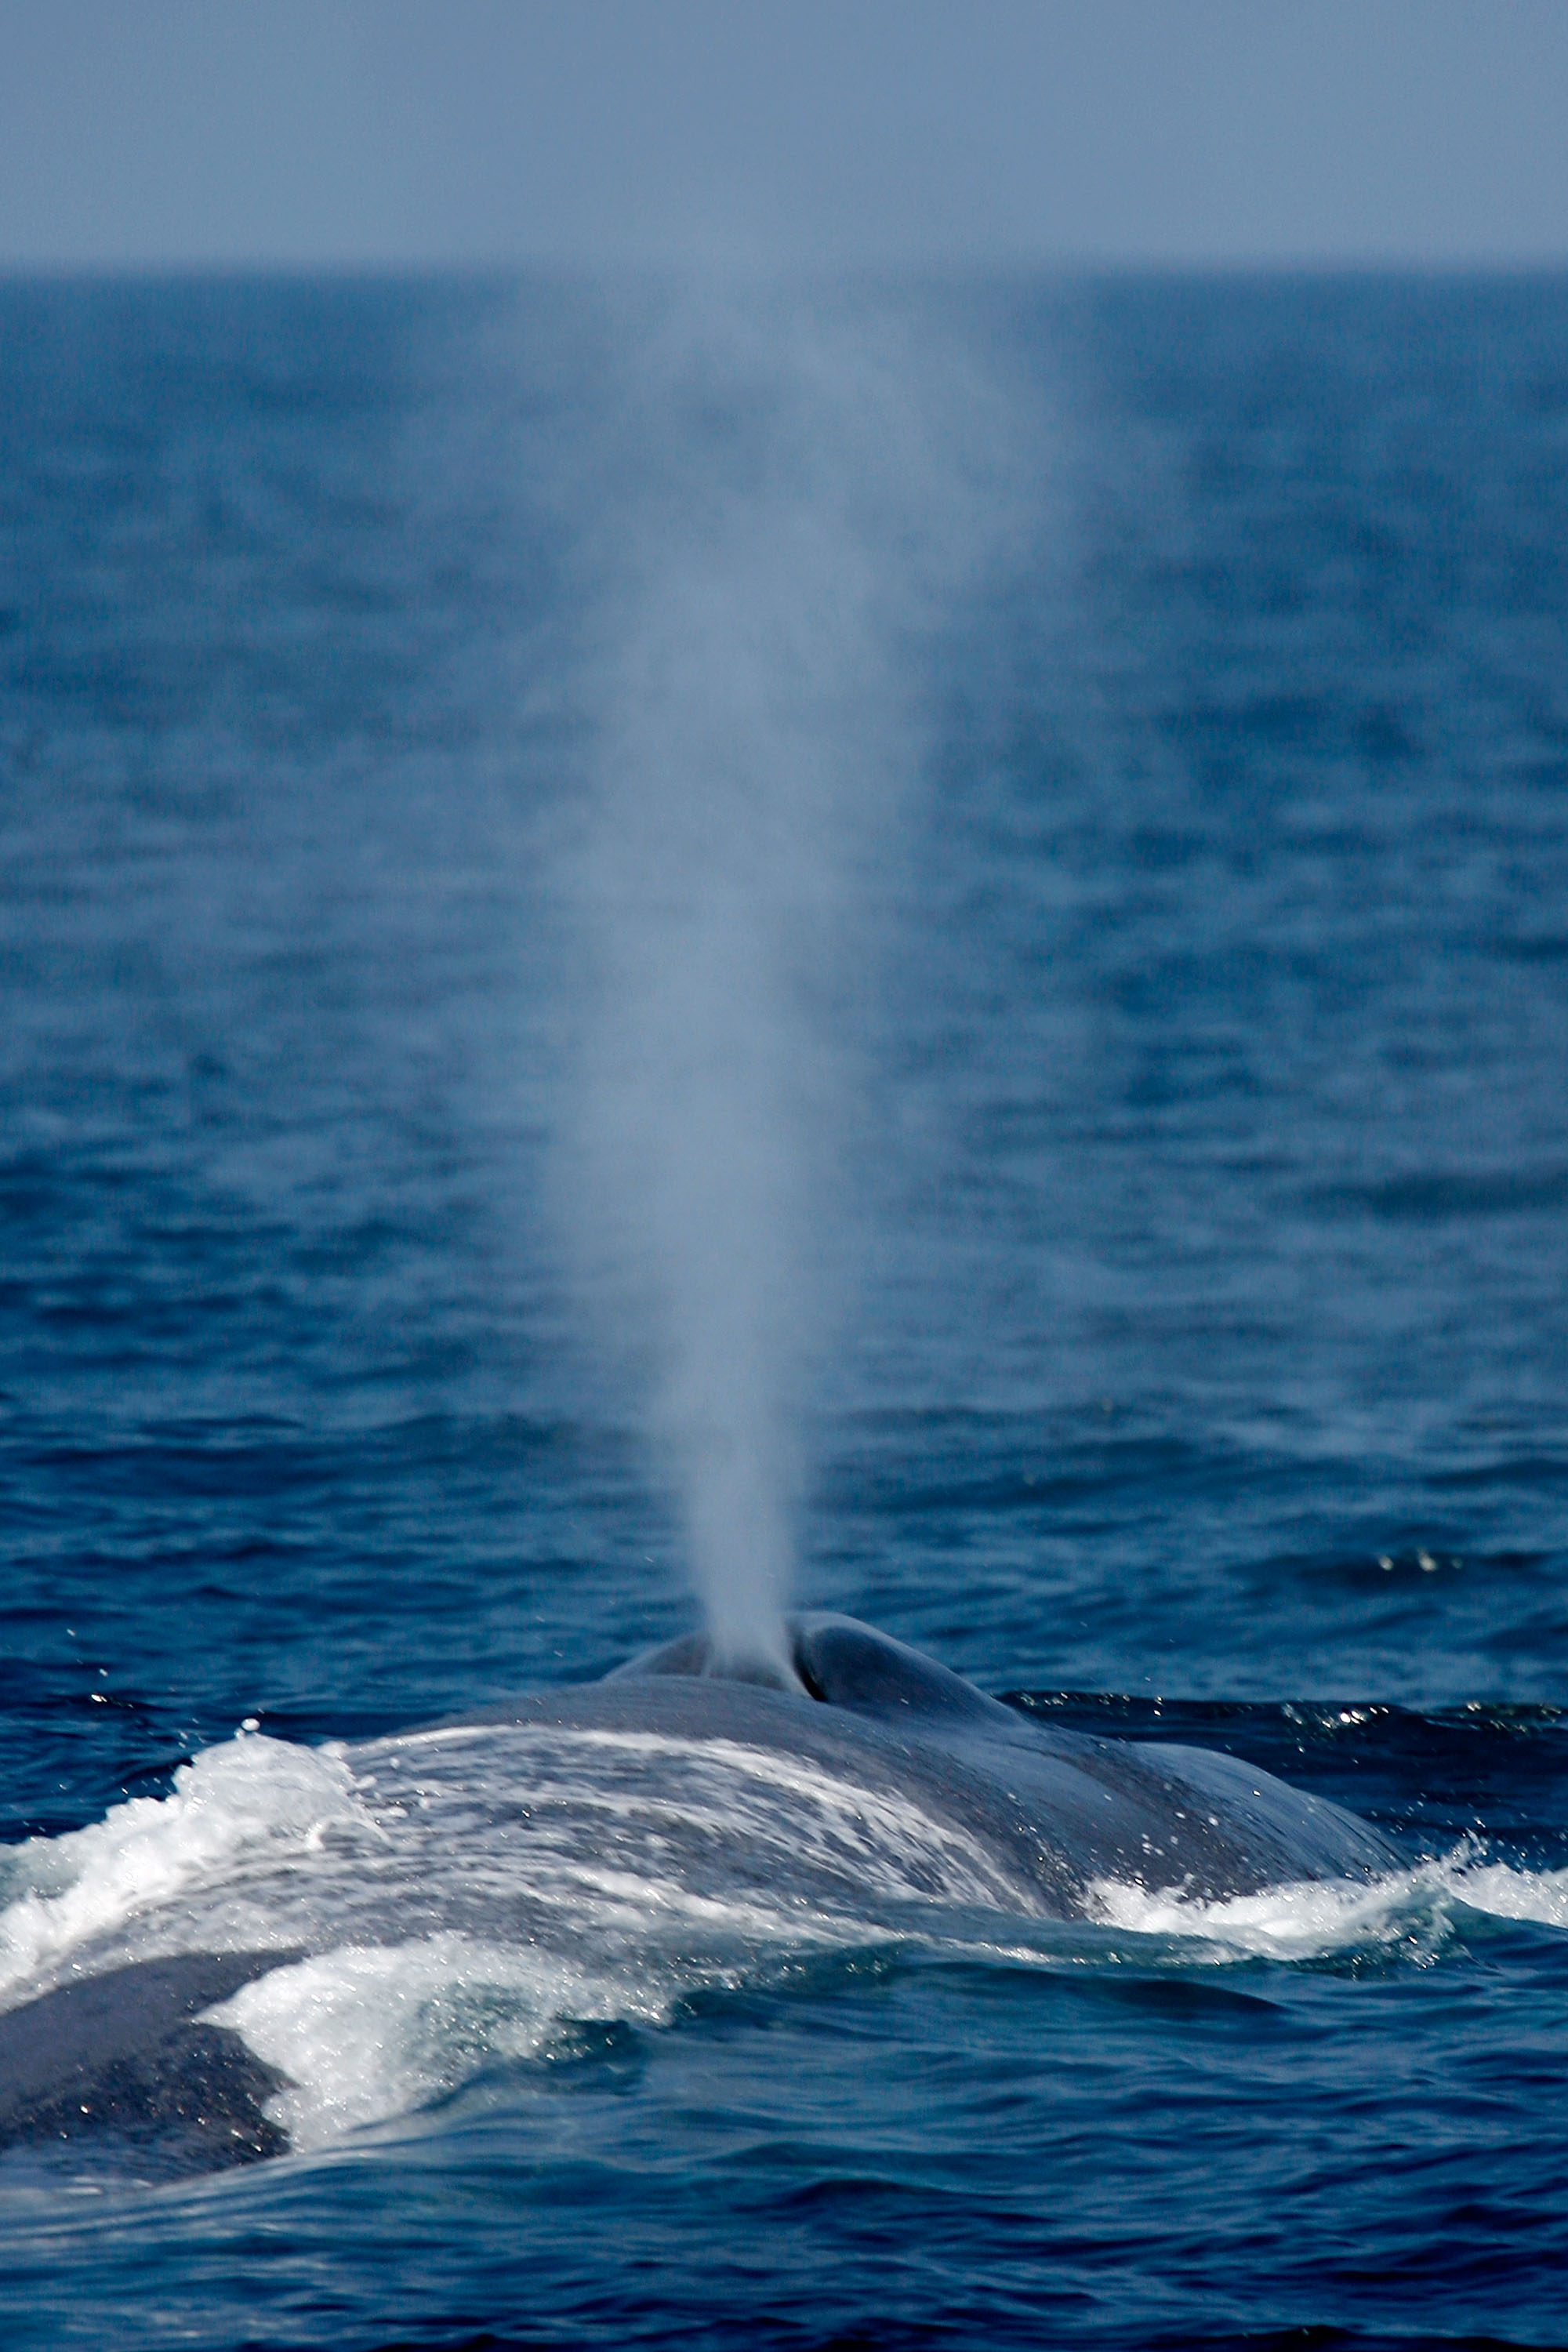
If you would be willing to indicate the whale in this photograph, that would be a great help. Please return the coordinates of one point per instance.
(842, 1762)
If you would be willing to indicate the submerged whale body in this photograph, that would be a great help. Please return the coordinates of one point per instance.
(854, 1776)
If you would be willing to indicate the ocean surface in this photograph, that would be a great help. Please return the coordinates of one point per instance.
(1196, 1234)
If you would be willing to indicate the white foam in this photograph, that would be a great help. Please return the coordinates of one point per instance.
(1504, 1892)
(364, 2033)
(246, 1805)
(1312, 1919)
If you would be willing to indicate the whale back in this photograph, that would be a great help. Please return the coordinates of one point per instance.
(849, 1778)
(1082, 1809)
(129, 2053)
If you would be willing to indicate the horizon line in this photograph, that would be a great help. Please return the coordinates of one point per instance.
(1545, 263)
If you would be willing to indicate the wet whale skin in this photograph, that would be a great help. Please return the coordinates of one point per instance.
(129, 2053)
(1063, 1809)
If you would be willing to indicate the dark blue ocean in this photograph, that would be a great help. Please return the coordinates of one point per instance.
(1194, 1227)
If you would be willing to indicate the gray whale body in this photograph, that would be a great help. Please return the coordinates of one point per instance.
(1059, 1809)
(1048, 1812)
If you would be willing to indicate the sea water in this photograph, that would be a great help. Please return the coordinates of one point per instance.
(1199, 1366)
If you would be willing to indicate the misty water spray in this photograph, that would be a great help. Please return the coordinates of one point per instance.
(785, 504)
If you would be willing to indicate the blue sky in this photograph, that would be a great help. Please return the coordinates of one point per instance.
(151, 132)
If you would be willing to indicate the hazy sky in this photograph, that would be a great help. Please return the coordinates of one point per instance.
(148, 131)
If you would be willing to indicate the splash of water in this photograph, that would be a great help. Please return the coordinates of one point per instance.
(793, 507)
